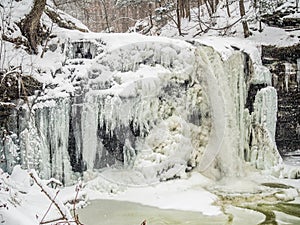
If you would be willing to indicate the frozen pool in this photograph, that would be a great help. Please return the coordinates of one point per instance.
(112, 212)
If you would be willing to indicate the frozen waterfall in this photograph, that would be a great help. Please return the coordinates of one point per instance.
(158, 106)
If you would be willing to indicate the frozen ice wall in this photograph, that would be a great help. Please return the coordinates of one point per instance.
(159, 106)
(44, 138)
(263, 153)
(145, 109)
(239, 135)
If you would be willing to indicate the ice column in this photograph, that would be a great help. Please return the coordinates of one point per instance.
(287, 75)
(89, 124)
(298, 74)
(264, 154)
(44, 140)
(8, 151)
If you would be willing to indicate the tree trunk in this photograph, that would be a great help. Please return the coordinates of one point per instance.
(188, 9)
(106, 15)
(227, 8)
(199, 15)
(30, 25)
(213, 5)
(150, 14)
(208, 9)
(178, 17)
(244, 22)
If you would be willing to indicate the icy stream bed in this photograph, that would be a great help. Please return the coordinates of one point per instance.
(111, 212)
(108, 212)
(251, 200)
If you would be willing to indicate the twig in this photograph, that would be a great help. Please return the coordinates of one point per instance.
(65, 218)
(48, 208)
(74, 202)
(47, 40)
(54, 220)
(76, 218)
(49, 197)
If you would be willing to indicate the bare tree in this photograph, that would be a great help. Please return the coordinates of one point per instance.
(227, 8)
(244, 22)
(30, 25)
(5, 19)
(182, 11)
(178, 15)
(105, 15)
(213, 5)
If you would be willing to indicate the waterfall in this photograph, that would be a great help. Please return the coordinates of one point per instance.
(159, 107)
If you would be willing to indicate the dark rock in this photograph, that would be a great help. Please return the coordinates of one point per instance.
(289, 53)
(253, 89)
(53, 47)
(16, 86)
(287, 86)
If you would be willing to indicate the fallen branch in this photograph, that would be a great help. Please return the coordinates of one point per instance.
(49, 208)
(66, 217)
(43, 189)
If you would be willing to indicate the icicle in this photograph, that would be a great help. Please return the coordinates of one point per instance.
(298, 130)
(298, 74)
(287, 75)
(129, 153)
(44, 141)
(9, 151)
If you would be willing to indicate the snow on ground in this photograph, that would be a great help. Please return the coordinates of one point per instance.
(275, 36)
(28, 205)
(224, 26)
(22, 201)
(184, 194)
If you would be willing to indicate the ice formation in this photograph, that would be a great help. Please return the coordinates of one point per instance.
(159, 106)
(298, 73)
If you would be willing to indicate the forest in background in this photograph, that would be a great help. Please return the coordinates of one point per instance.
(148, 16)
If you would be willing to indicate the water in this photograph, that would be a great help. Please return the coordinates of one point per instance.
(111, 212)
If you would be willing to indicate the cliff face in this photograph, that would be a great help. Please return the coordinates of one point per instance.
(113, 100)
(161, 106)
(158, 105)
(284, 64)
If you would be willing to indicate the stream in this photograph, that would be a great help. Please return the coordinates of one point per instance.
(112, 212)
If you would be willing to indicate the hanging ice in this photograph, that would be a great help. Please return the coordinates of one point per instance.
(298, 74)
(156, 105)
(287, 75)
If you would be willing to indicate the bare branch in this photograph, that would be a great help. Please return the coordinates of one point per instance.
(64, 216)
